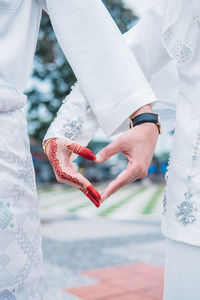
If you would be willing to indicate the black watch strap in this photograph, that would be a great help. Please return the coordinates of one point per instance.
(146, 118)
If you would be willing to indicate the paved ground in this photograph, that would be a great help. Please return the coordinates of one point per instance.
(128, 282)
(130, 202)
(80, 242)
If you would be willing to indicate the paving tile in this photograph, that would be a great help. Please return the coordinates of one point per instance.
(135, 282)
(97, 291)
(155, 292)
(109, 272)
(127, 296)
(128, 282)
(124, 270)
(145, 269)
(149, 271)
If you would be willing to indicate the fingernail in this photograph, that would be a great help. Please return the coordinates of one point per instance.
(98, 157)
(87, 153)
(96, 203)
(93, 192)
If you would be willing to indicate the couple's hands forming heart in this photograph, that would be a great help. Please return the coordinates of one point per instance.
(137, 144)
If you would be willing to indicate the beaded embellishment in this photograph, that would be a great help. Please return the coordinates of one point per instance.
(73, 128)
(164, 200)
(187, 211)
(68, 97)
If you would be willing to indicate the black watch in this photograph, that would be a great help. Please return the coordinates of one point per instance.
(146, 118)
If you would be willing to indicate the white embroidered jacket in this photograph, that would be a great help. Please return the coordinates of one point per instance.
(168, 32)
(107, 71)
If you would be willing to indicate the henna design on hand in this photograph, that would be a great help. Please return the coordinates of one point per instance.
(82, 151)
(55, 162)
(92, 194)
(90, 191)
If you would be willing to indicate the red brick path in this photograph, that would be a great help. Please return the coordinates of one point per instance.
(128, 282)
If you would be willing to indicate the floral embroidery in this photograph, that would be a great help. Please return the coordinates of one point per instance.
(181, 39)
(186, 213)
(187, 210)
(188, 195)
(73, 128)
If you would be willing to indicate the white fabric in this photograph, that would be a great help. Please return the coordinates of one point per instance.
(19, 25)
(75, 108)
(182, 271)
(10, 98)
(141, 39)
(179, 37)
(141, 42)
(107, 70)
(181, 204)
(21, 274)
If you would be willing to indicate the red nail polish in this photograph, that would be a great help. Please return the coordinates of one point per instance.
(96, 203)
(87, 153)
(93, 192)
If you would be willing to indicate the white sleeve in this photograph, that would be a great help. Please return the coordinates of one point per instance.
(107, 71)
(144, 40)
(75, 119)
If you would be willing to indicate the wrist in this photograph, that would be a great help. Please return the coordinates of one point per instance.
(144, 109)
(45, 145)
(146, 117)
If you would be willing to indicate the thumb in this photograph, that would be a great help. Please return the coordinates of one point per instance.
(108, 151)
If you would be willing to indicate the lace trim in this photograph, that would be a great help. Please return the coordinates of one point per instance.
(181, 30)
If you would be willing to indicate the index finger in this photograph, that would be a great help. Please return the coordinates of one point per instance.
(81, 150)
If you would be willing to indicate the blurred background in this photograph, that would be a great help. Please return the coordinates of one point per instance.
(77, 236)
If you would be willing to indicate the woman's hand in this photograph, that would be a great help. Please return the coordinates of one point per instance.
(138, 145)
(59, 151)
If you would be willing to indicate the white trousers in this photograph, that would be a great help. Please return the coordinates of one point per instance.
(20, 238)
(182, 271)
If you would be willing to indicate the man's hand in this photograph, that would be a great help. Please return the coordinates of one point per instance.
(59, 152)
(138, 145)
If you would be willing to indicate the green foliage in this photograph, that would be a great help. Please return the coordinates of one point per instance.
(52, 76)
